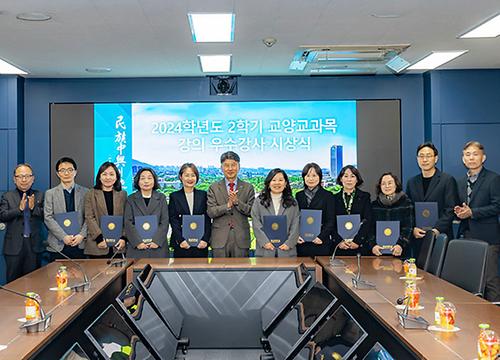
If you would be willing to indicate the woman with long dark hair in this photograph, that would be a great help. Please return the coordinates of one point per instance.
(146, 201)
(106, 198)
(315, 197)
(350, 201)
(276, 199)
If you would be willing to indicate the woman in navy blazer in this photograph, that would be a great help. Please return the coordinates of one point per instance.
(350, 201)
(188, 201)
(315, 197)
(146, 201)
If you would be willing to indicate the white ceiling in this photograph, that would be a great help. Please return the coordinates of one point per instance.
(143, 38)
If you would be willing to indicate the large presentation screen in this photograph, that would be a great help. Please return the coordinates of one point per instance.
(266, 135)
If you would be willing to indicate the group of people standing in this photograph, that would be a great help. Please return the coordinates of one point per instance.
(229, 203)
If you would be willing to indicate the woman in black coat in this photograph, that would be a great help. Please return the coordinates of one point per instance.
(188, 201)
(350, 201)
(392, 204)
(315, 197)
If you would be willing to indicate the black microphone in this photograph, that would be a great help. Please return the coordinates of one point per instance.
(408, 321)
(85, 286)
(120, 262)
(35, 325)
(357, 282)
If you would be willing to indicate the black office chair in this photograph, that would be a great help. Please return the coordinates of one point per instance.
(437, 255)
(465, 264)
(425, 250)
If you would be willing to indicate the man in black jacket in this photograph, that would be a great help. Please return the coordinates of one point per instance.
(22, 211)
(432, 185)
(479, 193)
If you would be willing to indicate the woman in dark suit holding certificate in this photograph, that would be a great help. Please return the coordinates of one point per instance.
(350, 201)
(188, 201)
(106, 198)
(146, 210)
(392, 204)
(276, 199)
(315, 197)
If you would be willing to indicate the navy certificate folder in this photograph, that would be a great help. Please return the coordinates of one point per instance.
(193, 228)
(68, 222)
(310, 224)
(146, 226)
(387, 235)
(111, 228)
(275, 229)
(348, 226)
(426, 215)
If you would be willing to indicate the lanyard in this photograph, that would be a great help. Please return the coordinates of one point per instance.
(348, 205)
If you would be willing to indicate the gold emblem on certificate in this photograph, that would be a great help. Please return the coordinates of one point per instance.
(275, 226)
(146, 226)
(348, 225)
(387, 232)
(193, 226)
(111, 226)
(426, 213)
(67, 222)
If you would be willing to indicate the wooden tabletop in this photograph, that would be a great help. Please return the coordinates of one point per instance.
(64, 306)
(380, 302)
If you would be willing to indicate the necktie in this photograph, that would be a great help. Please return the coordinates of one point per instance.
(231, 186)
(26, 219)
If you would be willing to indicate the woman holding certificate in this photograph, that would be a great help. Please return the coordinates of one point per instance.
(189, 206)
(106, 201)
(392, 204)
(275, 217)
(315, 197)
(353, 212)
(146, 218)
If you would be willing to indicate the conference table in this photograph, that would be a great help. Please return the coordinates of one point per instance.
(227, 284)
(376, 308)
(71, 311)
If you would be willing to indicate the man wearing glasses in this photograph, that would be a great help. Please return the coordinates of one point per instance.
(65, 198)
(229, 203)
(432, 185)
(21, 210)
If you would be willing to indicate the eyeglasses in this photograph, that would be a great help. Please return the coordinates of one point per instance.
(425, 156)
(23, 177)
(66, 171)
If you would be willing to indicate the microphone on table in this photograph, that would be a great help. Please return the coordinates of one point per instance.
(359, 283)
(338, 262)
(120, 262)
(409, 321)
(37, 325)
(85, 285)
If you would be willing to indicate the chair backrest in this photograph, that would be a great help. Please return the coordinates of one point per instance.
(437, 255)
(469, 255)
(425, 250)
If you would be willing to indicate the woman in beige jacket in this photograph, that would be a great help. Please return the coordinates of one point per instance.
(106, 198)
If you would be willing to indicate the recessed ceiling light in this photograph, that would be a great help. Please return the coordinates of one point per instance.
(33, 16)
(489, 29)
(386, 16)
(215, 63)
(98, 70)
(436, 59)
(8, 69)
(212, 27)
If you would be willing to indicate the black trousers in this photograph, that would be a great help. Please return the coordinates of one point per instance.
(22, 264)
(73, 252)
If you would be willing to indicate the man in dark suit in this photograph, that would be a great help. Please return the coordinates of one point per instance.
(22, 211)
(432, 185)
(479, 193)
(229, 203)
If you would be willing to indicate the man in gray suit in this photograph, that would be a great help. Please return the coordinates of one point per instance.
(479, 193)
(229, 203)
(22, 211)
(65, 197)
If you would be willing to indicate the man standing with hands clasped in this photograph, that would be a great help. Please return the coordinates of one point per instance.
(22, 211)
(65, 197)
(479, 193)
(229, 203)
